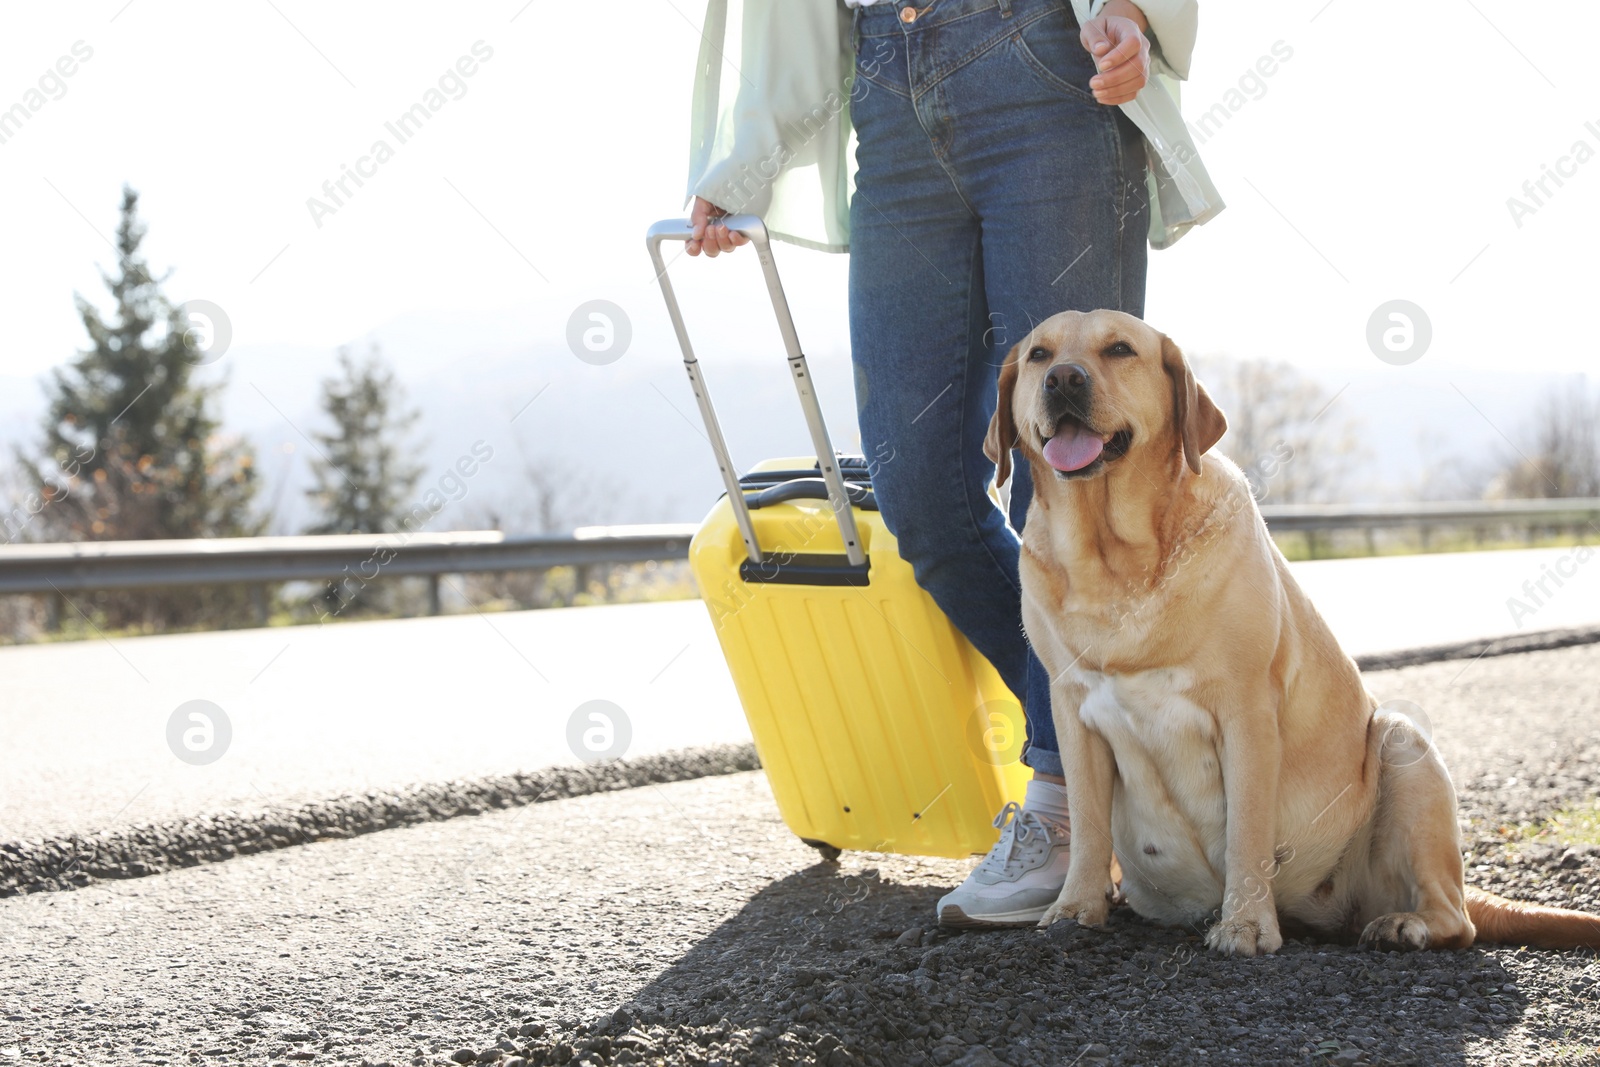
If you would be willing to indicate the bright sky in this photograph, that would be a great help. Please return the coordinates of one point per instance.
(1374, 164)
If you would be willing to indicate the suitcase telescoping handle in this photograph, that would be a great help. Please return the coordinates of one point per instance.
(753, 228)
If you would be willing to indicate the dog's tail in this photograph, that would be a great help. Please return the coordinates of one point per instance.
(1511, 922)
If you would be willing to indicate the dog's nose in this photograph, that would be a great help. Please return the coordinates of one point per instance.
(1068, 379)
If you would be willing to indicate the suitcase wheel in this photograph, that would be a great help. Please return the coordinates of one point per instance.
(829, 853)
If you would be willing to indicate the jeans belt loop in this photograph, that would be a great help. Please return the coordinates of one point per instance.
(1005, 9)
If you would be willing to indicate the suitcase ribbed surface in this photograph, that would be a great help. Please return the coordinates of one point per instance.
(879, 726)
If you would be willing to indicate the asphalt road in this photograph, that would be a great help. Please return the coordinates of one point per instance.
(320, 710)
(683, 924)
(316, 711)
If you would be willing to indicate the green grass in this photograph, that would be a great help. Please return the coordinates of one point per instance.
(1570, 1052)
(1570, 826)
(1351, 544)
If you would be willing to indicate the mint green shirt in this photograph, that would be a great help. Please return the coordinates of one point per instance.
(771, 134)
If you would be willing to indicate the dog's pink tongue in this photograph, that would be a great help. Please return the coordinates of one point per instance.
(1072, 448)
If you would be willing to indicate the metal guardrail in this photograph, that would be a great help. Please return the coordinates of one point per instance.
(1556, 511)
(77, 566)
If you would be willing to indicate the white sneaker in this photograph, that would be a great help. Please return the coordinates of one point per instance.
(1020, 877)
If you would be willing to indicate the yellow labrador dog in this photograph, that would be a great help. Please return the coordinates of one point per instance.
(1215, 736)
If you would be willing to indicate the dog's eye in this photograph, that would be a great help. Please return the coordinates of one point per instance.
(1121, 348)
(1038, 353)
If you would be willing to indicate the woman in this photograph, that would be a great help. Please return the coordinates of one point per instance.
(1014, 158)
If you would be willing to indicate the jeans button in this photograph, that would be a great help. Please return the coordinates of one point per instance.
(908, 15)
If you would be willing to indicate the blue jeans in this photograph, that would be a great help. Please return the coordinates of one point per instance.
(992, 191)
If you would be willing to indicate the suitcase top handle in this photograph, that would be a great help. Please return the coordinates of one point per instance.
(809, 489)
(838, 500)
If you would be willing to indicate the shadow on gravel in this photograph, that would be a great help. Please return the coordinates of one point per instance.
(837, 965)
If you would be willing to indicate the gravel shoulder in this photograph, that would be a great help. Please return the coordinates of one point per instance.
(682, 923)
(65, 861)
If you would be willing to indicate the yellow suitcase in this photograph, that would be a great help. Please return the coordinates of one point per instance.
(878, 724)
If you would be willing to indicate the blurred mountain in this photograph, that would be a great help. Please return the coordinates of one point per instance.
(623, 442)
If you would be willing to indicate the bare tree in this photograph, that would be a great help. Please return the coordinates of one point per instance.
(1284, 430)
(1445, 474)
(556, 496)
(552, 496)
(1565, 458)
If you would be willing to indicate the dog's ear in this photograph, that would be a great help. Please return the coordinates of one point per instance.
(1002, 435)
(1199, 422)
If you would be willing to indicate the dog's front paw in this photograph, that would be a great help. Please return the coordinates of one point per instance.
(1398, 930)
(1246, 935)
(1088, 909)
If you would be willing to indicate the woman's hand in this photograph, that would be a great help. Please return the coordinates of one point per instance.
(710, 234)
(1116, 40)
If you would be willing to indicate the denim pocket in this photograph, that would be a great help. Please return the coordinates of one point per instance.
(879, 61)
(1050, 49)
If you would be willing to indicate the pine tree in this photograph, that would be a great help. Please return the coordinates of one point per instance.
(365, 474)
(131, 448)
(130, 444)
